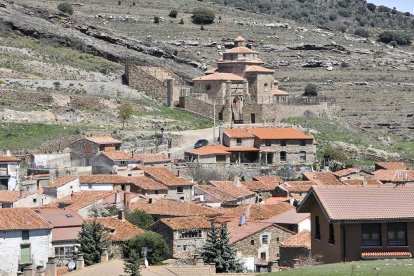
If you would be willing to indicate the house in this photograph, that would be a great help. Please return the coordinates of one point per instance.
(295, 190)
(292, 220)
(362, 182)
(25, 239)
(321, 178)
(185, 236)
(15, 199)
(350, 223)
(62, 186)
(108, 162)
(9, 172)
(66, 225)
(169, 208)
(105, 182)
(272, 146)
(397, 177)
(294, 248)
(84, 150)
(178, 187)
(352, 173)
(148, 187)
(120, 230)
(390, 166)
(257, 243)
(264, 186)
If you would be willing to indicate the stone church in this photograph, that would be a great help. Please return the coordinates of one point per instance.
(241, 90)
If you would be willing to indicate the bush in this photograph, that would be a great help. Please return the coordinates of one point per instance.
(371, 7)
(344, 13)
(333, 17)
(158, 250)
(156, 19)
(399, 38)
(383, 9)
(65, 8)
(361, 32)
(173, 14)
(311, 90)
(140, 218)
(203, 16)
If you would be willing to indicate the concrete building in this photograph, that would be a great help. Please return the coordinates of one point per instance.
(9, 172)
(185, 236)
(84, 150)
(350, 223)
(26, 239)
(62, 186)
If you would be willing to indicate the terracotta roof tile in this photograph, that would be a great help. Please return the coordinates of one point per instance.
(346, 172)
(389, 254)
(239, 39)
(147, 183)
(165, 176)
(276, 200)
(173, 208)
(363, 203)
(81, 199)
(392, 165)
(21, 219)
(70, 233)
(259, 69)
(322, 178)
(211, 150)
(116, 155)
(220, 77)
(240, 50)
(231, 189)
(238, 233)
(301, 239)
(256, 212)
(394, 176)
(263, 183)
(103, 140)
(215, 193)
(6, 158)
(289, 217)
(297, 186)
(238, 133)
(184, 223)
(237, 149)
(362, 182)
(104, 178)
(279, 92)
(152, 158)
(9, 196)
(61, 181)
(267, 133)
(60, 217)
(121, 230)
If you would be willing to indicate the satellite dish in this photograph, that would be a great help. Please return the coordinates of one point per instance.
(71, 265)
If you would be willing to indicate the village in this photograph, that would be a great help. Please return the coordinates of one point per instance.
(259, 187)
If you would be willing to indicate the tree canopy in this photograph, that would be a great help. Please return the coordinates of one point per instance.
(93, 239)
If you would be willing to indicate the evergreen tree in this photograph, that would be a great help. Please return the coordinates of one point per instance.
(211, 248)
(228, 254)
(93, 239)
(132, 261)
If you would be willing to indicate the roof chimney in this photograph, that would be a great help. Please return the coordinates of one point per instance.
(242, 220)
(121, 215)
(236, 180)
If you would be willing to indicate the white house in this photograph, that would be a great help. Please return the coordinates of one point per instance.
(9, 172)
(292, 220)
(25, 238)
(63, 186)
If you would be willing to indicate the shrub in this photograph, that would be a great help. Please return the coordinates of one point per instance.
(383, 9)
(344, 13)
(371, 7)
(173, 14)
(140, 219)
(156, 19)
(203, 16)
(399, 38)
(158, 250)
(311, 90)
(333, 17)
(65, 8)
(361, 32)
(343, 4)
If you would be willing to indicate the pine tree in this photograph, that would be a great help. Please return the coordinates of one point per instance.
(211, 247)
(131, 262)
(229, 262)
(93, 239)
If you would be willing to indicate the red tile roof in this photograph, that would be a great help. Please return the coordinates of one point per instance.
(165, 176)
(279, 92)
(152, 158)
(147, 183)
(215, 193)
(238, 133)
(211, 150)
(70, 233)
(21, 219)
(237, 149)
(346, 172)
(184, 223)
(238, 233)
(9, 196)
(392, 165)
(231, 189)
(239, 39)
(120, 230)
(263, 183)
(104, 178)
(103, 140)
(255, 212)
(362, 203)
(173, 208)
(276, 200)
(220, 77)
(389, 254)
(6, 158)
(267, 133)
(60, 217)
(297, 186)
(81, 199)
(117, 155)
(301, 239)
(240, 50)
(394, 176)
(322, 178)
(362, 182)
(61, 181)
(259, 69)
(289, 217)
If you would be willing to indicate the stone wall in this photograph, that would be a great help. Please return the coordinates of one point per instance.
(186, 195)
(287, 254)
(145, 82)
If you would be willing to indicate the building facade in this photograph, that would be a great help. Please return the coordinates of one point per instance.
(84, 150)
(9, 173)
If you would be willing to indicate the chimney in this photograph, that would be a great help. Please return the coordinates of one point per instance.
(236, 180)
(51, 269)
(121, 215)
(276, 84)
(242, 220)
(8, 153)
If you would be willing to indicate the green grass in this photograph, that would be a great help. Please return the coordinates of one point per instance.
(361, 268)
(29, 135)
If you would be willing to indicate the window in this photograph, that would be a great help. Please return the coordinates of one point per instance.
(268, 143)
(220, 116)
(283, 156)
(180, 190)
(263, 255)
(34, 200)
(277, 239)
(317, 228)
(90, 186)
(190, 234)
(64, 252)
(156, 192)
(208, 87)
(25, 235)
(303, 143)
(283, 143)
(331, 234)
(397, 234)
(252, 242)
(265, 239)
(371, 234)
(123, 162)
(184, 247)
(239, 141)
(221, 158)
(302, 156)
(25, 254)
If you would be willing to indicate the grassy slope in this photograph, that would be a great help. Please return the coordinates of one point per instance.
(366, 268)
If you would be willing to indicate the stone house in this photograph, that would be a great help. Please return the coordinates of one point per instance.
(350, 223)
(296, 190)
(9, 172)
(185, 236)
(257, 243)
(295, 247)
(178, 187)
(84, 150)
(264, 186)
(25, 239)
(352, 173)
(272, 146)
(62, 186)
(148, 187)
(321, 178)
(397, 177)
(66, 225)
(114, 161)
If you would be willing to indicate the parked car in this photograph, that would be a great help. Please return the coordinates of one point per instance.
(201, 143)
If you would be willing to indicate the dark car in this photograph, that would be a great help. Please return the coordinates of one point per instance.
(200, 143)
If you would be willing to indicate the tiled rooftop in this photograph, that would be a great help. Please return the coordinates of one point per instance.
(147, 183)
(81, 199)
(184, 223)
(120, 230)
(21, 219)
(346, 172)
(322, 178)
(259, 69)
(61, 181)
(165, 176)
(279, 92)
(103, 140)
(289, 217)
(256, 212)
(228, 187)
(301, 239)
(6, 158)
(392, 165)
(104, 178)
(267, 133)
(394, 175)
(211, 150)
(9, 196)
(220, 77)
(362, 182)
(240, 50)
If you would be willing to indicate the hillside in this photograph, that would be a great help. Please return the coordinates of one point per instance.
(68, 70)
